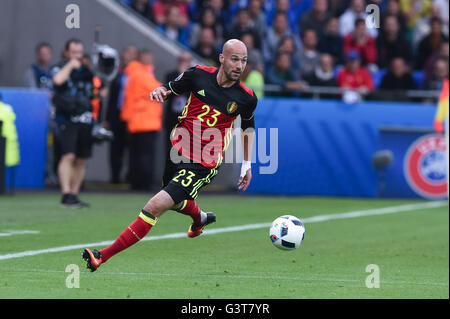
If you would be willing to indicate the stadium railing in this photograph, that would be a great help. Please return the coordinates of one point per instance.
(317, 92)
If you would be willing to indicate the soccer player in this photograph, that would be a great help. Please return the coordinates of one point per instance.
(215, 99)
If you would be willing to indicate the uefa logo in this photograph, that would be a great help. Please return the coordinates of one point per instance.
(425, 167)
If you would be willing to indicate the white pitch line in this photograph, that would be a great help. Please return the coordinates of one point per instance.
(18, 232)
(313, 219)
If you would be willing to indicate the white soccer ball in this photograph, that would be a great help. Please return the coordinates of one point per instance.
(287, 232)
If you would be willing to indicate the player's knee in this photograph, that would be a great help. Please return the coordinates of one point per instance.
(159, 204)
(154, 208)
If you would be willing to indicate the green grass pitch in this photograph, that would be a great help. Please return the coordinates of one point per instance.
(411, 249)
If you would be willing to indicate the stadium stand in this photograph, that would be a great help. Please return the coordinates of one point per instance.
(229, 19)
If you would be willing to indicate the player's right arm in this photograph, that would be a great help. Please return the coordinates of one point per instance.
(160, 94)
(248, 136)
(180, 85)
(246, 168)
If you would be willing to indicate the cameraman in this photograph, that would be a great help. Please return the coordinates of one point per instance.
(73, 92)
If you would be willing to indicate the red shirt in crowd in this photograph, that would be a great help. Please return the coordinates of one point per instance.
(368, 50)
(357, 80)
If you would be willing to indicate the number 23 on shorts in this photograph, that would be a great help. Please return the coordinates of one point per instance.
(187, 180)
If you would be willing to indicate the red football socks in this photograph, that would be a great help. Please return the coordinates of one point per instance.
(131, 235)
(190, 208)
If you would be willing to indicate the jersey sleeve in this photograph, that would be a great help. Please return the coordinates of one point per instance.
(248, 112)
(247, 117)
(183, 83)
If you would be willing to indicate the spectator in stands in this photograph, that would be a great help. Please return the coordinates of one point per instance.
(308, 55)
(257, 17)
(331, 41)
(443, 53)
(253, 54)
(175, 103)
(316, 18)
(393, 9)
(417, 13)
(287, 44)
(206, 47)
(392, 43)
(338, 7)
(144, 120)
(440, 72)
(281, 74)
(323, 74)
(207, 20)
(347, 20)
(38, 74)
(398, 77)
(441, 10)
(120, 143)
(244, 25)
(143, 8)
(283, 6)
(253, 78)
(431, 43)
(353, 75)
(172, 27)
(279, 29)
(221, 15)
(160, 9)
(361, 41)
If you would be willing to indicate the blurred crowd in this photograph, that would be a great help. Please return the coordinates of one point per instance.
(299, 43)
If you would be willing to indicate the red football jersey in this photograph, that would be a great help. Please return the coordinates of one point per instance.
(205, 127)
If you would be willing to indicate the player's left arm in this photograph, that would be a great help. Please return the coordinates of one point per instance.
(248, 136)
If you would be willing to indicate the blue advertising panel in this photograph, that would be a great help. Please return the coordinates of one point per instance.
(326, 147)
(31, 108)
(419, 166)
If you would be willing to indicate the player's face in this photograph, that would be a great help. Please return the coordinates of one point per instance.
(234, 64)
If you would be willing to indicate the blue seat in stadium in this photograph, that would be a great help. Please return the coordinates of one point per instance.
(377, 77)
(418, 77)
(337, 69)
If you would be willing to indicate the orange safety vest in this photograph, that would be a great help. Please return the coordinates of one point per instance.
(141, 114)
